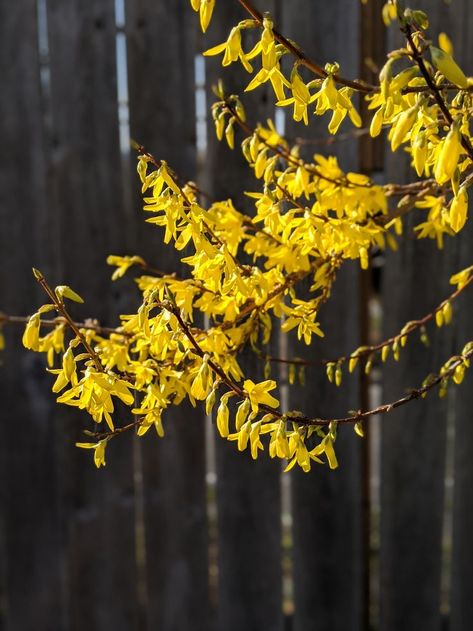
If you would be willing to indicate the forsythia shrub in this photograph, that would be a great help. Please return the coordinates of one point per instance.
(310, 217)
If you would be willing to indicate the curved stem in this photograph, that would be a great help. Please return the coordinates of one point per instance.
(61, 309)
(434, 89)
(412, 326)
(360, 86)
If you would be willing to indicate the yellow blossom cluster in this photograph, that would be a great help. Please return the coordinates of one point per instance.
(245, 265)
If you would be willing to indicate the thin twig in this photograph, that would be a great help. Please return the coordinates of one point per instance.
(61, 310)
(411, 326)
(88, 325)
(433, 87)
(360, 86)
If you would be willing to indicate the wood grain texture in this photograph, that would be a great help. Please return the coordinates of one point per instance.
(327, 505)
(90, 222)
(413, 443)
(32, 554)
(461, 604)
(161, 48)
(248, 492)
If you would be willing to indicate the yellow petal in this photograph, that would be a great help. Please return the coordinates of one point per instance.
(448, 67)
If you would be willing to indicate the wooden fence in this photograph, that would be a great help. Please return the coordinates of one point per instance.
(170, 536)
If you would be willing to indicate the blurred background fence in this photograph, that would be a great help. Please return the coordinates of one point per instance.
(183, 534)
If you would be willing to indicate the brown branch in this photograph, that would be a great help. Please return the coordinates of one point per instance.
(286, 155)
(198, 191)
(360, 86)
(88, 325)
(433, 87)
(388, 407)
(412, 326)
(391, 189)
(117, 431)
(305, 420)
(61, 310)
(158, 163)
(442, 86)
(197, 349)
(319, 422)
(300, 419)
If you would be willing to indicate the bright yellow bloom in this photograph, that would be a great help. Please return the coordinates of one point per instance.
(448, 155)
(232, 50)
(448, 67)
(258, 393)
(31, 335)
(99, 451)
(459, 210)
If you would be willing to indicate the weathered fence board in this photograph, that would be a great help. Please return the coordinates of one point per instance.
(461, 604)
(248, 492)
(32, 562)
(413, 451)
(161, 48)
(327, 515)
(414, 437)
(90, 222)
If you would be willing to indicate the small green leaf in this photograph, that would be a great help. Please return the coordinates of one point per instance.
(63, 291)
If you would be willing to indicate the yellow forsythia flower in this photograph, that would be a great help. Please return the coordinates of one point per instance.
(448, 67)
(445, 44)
(403, 126)
(419, 153)
(449, 155)
(461, 278)
(31, 335)
(223, 415)
(258, 393)
(206, 9)
(459, 210)
(99, 451)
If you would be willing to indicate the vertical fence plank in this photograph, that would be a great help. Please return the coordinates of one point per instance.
(31, 540)
(248, 492)
(88, 212)
(161, 44)
(462, 568)
(461, 606)
(412, 451)
(327, 515)
(413, 440)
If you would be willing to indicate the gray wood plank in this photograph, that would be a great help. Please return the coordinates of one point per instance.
(412, 452)
(413, 439)
(327, 505)
(248, 492)
(31, 554)
(88, 214)
(461, 605)
(462, 576)
(161, 40)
